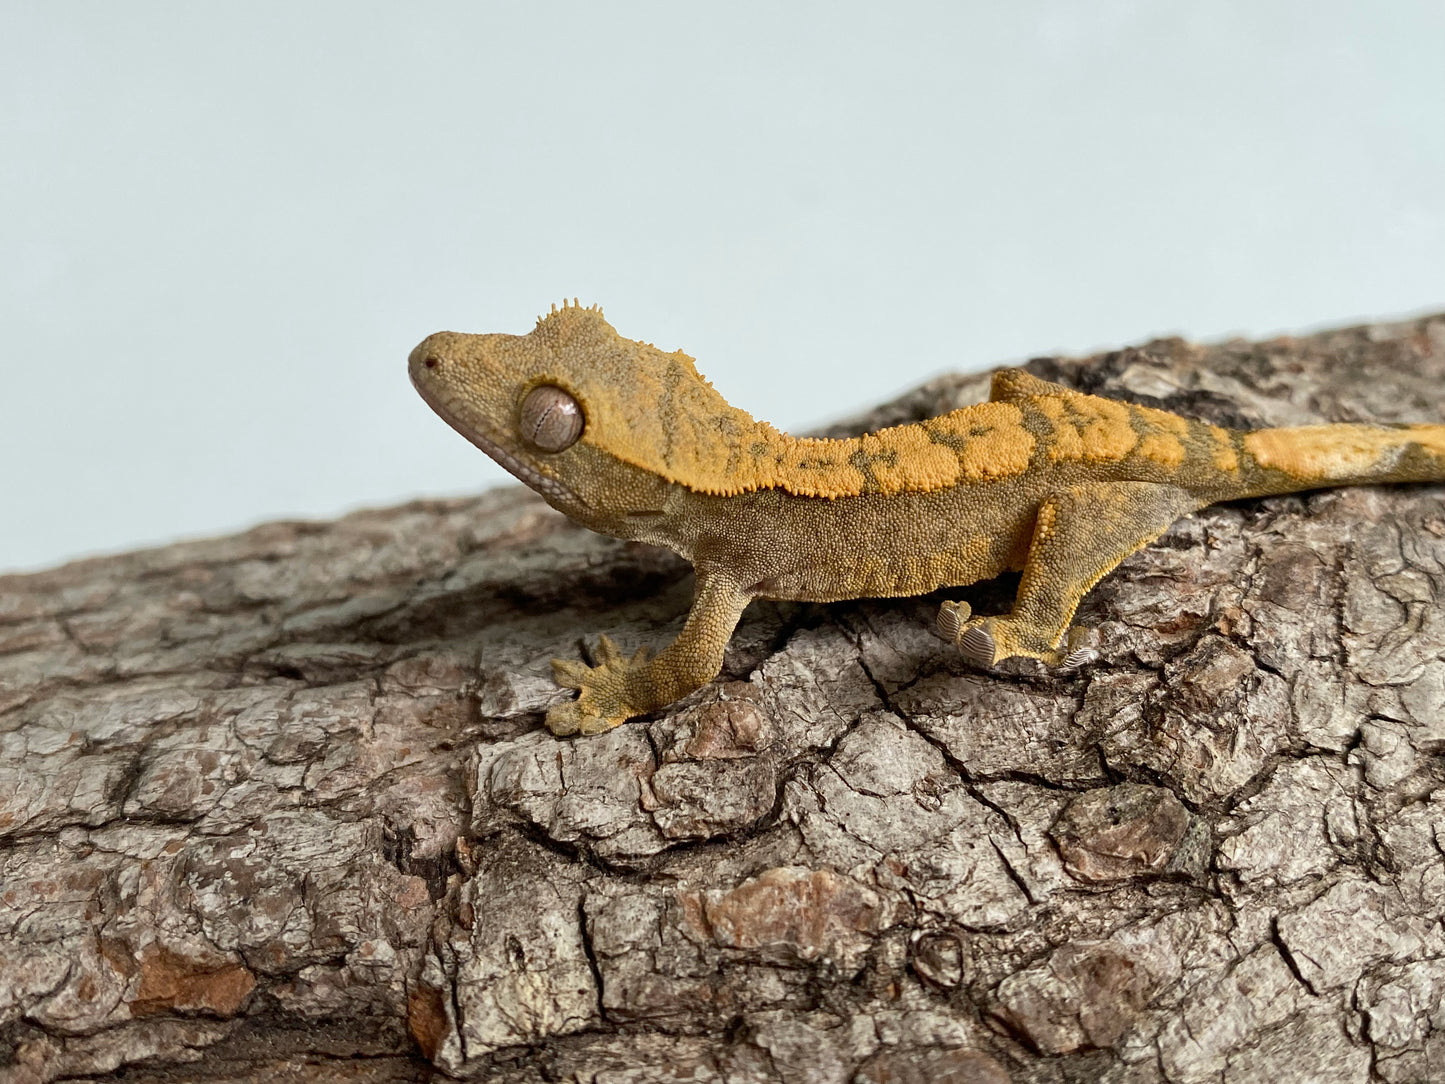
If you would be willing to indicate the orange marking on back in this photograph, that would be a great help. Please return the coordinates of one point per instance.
(1221, 450)
(996, 444)
(905, 460)
(1087, 428)
(985, 441)
(1170, 423)
(1165, 444)
(1163, 432)
(810, 468)
(1163, 448)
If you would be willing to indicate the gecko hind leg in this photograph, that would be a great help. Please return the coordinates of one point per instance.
(1080, 535)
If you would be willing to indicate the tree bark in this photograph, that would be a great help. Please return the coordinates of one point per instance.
(280, 805)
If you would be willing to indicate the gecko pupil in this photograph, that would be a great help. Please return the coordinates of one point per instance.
(551, 419)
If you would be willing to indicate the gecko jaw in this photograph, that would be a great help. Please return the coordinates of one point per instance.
(524, 472)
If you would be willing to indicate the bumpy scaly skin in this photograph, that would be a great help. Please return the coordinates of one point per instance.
(1043, 479)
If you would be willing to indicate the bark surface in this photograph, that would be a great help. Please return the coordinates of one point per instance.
(280, 807)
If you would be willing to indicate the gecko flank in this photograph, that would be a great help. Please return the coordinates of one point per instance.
(631, 441)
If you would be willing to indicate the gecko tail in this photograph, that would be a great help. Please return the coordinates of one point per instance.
(1305, 457)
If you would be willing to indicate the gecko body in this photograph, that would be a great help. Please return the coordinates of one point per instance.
(1061, 486)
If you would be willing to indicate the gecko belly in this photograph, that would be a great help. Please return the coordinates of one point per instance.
(873, 546)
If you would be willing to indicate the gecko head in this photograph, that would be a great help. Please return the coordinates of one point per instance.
(510, 397)
(569, 408)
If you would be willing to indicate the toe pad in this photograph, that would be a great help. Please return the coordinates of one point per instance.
(951, 616)
(978, 646)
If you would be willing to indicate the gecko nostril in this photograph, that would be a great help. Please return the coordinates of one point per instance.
(431, 362)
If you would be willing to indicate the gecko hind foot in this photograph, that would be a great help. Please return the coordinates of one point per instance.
(951, 618)
(976, 643)
(985, 642)
(979, 647)
(1079, 649)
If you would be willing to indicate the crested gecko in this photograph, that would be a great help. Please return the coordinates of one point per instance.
(1061, 486)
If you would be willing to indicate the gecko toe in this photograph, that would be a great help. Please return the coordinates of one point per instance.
(571, 717)
(608, 653)
(1079, 649)
(564, 719)
(569, 673)
(951, 616)
(978, 646)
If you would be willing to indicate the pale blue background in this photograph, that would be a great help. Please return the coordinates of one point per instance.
(224, 225)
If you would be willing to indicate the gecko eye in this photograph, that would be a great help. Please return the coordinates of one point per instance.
(551, 419)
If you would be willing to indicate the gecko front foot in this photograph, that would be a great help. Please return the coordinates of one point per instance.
(986, 641)
(603, 699)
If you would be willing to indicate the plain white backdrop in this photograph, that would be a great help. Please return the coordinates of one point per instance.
(222, 226)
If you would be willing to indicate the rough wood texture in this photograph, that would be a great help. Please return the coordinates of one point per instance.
(278, 807)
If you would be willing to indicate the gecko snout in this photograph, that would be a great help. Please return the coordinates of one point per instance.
(442, 350)
(424, 355)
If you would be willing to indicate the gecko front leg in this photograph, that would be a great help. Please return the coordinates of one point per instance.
(1080, 535)
(618, 688)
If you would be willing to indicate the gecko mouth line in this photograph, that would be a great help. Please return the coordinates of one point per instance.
(524, 472)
